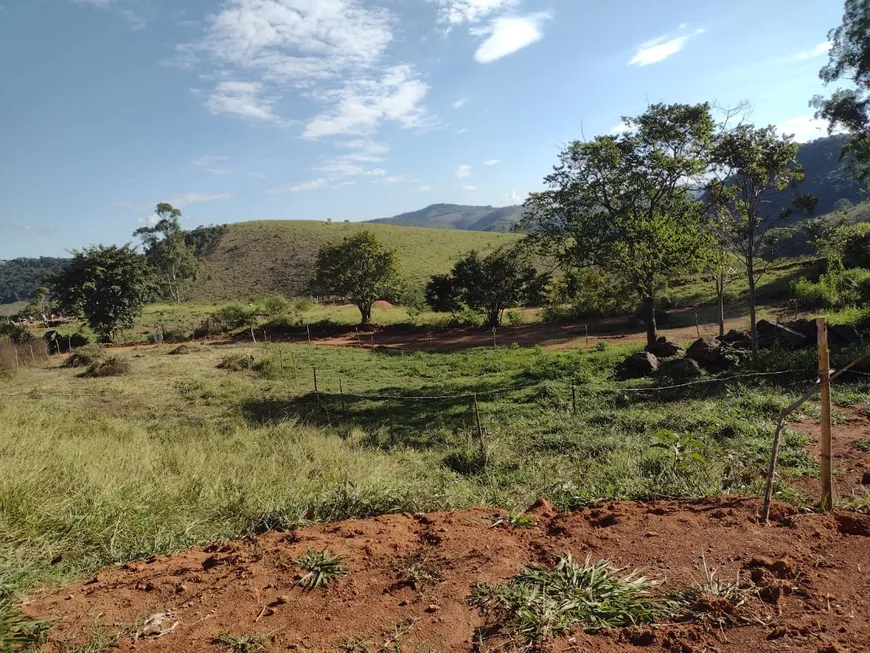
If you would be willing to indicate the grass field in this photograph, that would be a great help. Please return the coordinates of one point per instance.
(276, 257)
(100, 471)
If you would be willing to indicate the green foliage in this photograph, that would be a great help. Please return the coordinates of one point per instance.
(443, 295)
(227, 319)
(20, 277)
(322, 568)
(684, 451)
(17, 632)
(237, 362)
(15, 332)
(838, 288)
(494, 283)
(168, 253)
(250, 643)
(849, 59)
(360, 270)
(541, 602)
(108, 285)
(204, 240)
(619, 203)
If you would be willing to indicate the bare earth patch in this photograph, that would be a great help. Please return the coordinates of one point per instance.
(808, 580)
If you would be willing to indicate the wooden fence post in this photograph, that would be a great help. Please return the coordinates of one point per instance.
(341, 392)
(825, 392)
(281, 358)
(586, 328)
(253, 337)
(308, 331)
(316, 391)
(573, 399)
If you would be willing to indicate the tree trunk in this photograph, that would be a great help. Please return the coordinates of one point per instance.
(753, 331)
(493, 318)
(650, 318)
(365, 313)
(720, 295)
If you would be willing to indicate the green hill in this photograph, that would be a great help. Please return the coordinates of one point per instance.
(277, 256)
(459, 216)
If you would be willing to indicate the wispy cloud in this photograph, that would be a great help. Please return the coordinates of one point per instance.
(492, 162)
(508, 34)
(620, 128)
(303, 187)
(330, 52)
(210, 163)
(818, 51)
(242, 99)
(803, 128)
(463, 171)
(661, 48)
(425, 189)
(187, 199)
(515, 198)
(469, 188)
(460, 103)
(463, 130)
(456, 12)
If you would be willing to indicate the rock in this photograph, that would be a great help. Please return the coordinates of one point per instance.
(712, 355)
(433, 608)
(770, 334)
(807, 328)
(865, 480)
(735, 338)
(637, 366)
(665, 348)
(680, 369)
(843, 334)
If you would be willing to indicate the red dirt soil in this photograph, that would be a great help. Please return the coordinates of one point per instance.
(812, 575)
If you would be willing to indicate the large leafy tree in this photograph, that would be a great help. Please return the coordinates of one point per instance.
(168, 252)
(623, 203)
(495, 282)
(360, 270)
(849, 60)
(749, 165)
(108, 285)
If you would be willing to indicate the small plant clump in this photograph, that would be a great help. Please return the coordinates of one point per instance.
(237, 362)
(540, 602)
(112, 366)
(251, 643)
(17, 632)
(863, 445)
(516, 521)
(322, 568)
(85, 356)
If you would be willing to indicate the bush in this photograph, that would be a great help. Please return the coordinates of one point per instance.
(808, 294)
(513, 317)
(85, 356)
(837, 288)
(112, 366)
(468, 460)
(277, 306)
(231, 318)
(15, 332)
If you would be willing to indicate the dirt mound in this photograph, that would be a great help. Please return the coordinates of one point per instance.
(410, 578)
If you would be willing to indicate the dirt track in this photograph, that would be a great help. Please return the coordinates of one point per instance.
(811, 574)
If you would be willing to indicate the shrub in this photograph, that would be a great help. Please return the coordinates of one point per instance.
(513, 317)
(85, 356)
(468, 460)
(277, 306)
(230, 318)
(112, 366)
(809, 294)
(15, 332)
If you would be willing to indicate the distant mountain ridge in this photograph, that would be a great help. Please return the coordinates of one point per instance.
(459, 216)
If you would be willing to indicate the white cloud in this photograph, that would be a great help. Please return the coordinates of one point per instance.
(149, 220)
(469, 188)
(241, 99)
(506, 35)
(210, 164)
(661, 48)
(361, 105)
(425, 189)
(492, 162)
(818, 51)
(342, 168)
(98, 3)
(326, 51)
(620, 128)
(463, 171)
(400, 179)
(305, 186)
(460, 103)
(180, 201)
(456, 12)
(803, 128)
(515, 198)
(464, 130)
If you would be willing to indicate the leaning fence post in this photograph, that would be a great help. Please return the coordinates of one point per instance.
(253, 337)
(308, 331)
(341, 392)
(573, 399)
(316, 392)
(477, 418)
(698, 325)
(32, 357)
(825, 387)
(586, 328)
(281, 358)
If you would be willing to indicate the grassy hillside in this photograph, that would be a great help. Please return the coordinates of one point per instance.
(277, 256)
(459, 216)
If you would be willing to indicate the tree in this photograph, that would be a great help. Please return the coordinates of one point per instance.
(622, 203)
(849, 59)
(494, 283)
(748, 165)
(168, 252)
(108, 285)
(442, 294)
(360, 270)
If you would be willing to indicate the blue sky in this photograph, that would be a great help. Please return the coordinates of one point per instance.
(352, 109)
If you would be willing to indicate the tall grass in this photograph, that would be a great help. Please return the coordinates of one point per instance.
(14, 356)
